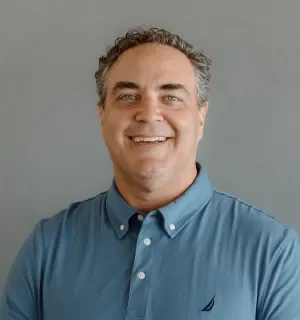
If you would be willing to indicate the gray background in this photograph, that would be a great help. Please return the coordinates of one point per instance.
(51, 150)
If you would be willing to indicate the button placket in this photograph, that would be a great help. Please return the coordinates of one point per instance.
(141, 271)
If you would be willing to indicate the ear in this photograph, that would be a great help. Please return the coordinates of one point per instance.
(202, 117)
(101, 116)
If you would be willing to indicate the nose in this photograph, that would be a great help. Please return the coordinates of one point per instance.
(148, 111)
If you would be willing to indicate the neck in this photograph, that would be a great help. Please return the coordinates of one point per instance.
(151, 195)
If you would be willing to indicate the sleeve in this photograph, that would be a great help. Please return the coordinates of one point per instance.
(20, 298)
(282, 290)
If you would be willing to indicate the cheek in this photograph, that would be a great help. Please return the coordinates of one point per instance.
(185, 125)
(177, 119)
(189, 132)
(113, 129)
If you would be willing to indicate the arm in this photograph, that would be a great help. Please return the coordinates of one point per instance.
(282, 290)
(20, 298)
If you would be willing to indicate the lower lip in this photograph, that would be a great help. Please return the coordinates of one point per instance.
(149, 144)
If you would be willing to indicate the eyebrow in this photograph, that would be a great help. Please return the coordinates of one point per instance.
(131, 85)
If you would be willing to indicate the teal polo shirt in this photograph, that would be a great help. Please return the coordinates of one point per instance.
(207, 255)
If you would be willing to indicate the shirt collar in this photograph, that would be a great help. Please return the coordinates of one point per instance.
(175, 214)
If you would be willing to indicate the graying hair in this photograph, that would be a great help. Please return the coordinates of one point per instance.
(141, 35)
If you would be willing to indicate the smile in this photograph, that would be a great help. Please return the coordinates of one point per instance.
(149, 141)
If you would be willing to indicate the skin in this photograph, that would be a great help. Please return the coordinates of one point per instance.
(146, 105)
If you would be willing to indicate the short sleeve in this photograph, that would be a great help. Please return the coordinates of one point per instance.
(282, 291)
(20, 298)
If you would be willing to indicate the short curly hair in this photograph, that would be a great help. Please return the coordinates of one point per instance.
(141, 35)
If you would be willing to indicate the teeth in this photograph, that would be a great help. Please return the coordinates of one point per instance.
(152, 139)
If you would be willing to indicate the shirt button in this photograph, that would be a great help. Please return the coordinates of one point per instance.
(141, 275)
(172, 226)
(140, 217)
(122, 227)
(147, 242)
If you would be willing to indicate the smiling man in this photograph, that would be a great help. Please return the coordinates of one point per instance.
(152, 123)
(161, 243)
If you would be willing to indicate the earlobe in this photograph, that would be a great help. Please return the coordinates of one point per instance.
(100, 110)
(202, 113)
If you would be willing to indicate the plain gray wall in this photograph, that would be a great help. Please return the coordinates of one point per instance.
(51, 150)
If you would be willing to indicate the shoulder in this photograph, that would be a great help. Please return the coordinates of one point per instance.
(75, 216)
(251, 222)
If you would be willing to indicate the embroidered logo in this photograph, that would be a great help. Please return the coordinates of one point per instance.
(210, 305)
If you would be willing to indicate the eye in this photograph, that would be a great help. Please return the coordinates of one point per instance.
(127, 97)
(172, 98)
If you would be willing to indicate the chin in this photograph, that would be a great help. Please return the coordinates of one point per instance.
(149, 168)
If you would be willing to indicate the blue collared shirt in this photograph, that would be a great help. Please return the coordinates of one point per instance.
(207, 255)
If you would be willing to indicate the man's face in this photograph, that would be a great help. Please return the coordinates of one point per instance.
(151, 92)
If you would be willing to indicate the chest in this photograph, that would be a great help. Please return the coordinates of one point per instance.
(147, 276)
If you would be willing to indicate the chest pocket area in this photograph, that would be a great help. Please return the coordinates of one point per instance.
(206, 297)
(188, 292)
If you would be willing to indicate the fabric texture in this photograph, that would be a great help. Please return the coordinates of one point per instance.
(207, 255)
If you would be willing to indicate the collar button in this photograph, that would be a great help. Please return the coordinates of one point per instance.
(172, 227)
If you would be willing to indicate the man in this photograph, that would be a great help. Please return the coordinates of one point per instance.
(161, 243)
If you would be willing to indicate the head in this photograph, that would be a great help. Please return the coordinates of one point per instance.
(152, 84)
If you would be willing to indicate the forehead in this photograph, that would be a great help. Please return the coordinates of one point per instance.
(150, 65)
